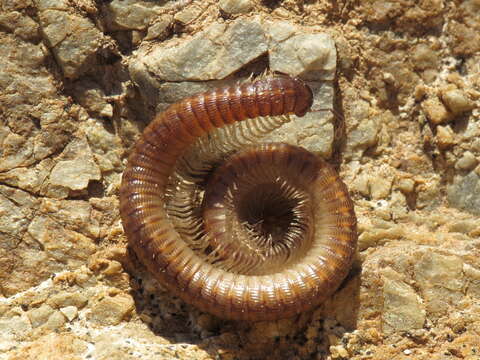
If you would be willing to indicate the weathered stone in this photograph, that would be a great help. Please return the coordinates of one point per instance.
(68, 299)
(131, 14)
(380, 187)
(111, 310)
(464, 193)
(187, 15)
(214, 53)
(77, 169)
(159, 29)
(52, 346)
(74, 39)
(435, 111)
(40, 315)
(467, 162)
(92, 97)
(20, 24)
(364, 136)
(441, 281)
(235, 7)
(457, 101)
(445, 137)
(15, 214)
(313, 56)
(403, 309)
(13, 328)
(424, 57)
(70, 312)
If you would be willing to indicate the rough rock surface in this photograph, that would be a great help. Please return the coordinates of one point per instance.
(79, 79)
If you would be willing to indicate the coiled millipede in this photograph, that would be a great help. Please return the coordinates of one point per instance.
(242, 230)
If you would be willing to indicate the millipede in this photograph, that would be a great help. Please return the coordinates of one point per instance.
(241, 229)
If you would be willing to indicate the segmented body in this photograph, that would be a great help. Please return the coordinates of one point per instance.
(211, 262)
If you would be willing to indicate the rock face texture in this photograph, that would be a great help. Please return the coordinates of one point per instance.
(79, 80)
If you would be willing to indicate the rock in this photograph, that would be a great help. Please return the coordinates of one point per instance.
(131, 14)
(457, 101)
(74, 39)
(112, 309)
(312, 56)
(235, 7)
(468, 161)
(187, 15)
(315, 130)
(464, 193)
(435, 111)
(70, 312)
(424, 57)
(52, 346)
(445, 137)
(78, 168)
(20, 24)
(159, 29)
(214, 53)
(406, 185)
(16, 210)
(441, 281)
(402, 308)
(89, 94)
(40, 315)
(68, 299)
(15, 327)
(364, 136)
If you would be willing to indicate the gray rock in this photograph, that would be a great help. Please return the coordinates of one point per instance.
(214, 53)
(131, 14)
(403, 308)
(77, 169)
(467, 162)
(235, 7)
(311, 55)
(159, 29)
(464, 193)
(74, 39)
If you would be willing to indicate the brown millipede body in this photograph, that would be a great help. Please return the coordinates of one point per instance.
(242, 230)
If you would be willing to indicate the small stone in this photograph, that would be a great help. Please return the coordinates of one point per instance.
(68, 299)
(445, 137)
(159, 29)
(457, 101)
(402, 307)
(55, 321)
(187, 15)
(406, 185)
(435, 111)
(75, 174)
(131, 14)
(74, 39)
(40, 315)
(380, 187)
(338, 352)
(92, 97)
(423, 57)
(464, 193)
(312, 55)
(111, 310)
(476, 145)
(70, 312)
(214, 53)
(463, 226)
(440, 278)
(467, 162)
(234, 7)
(363, 137)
